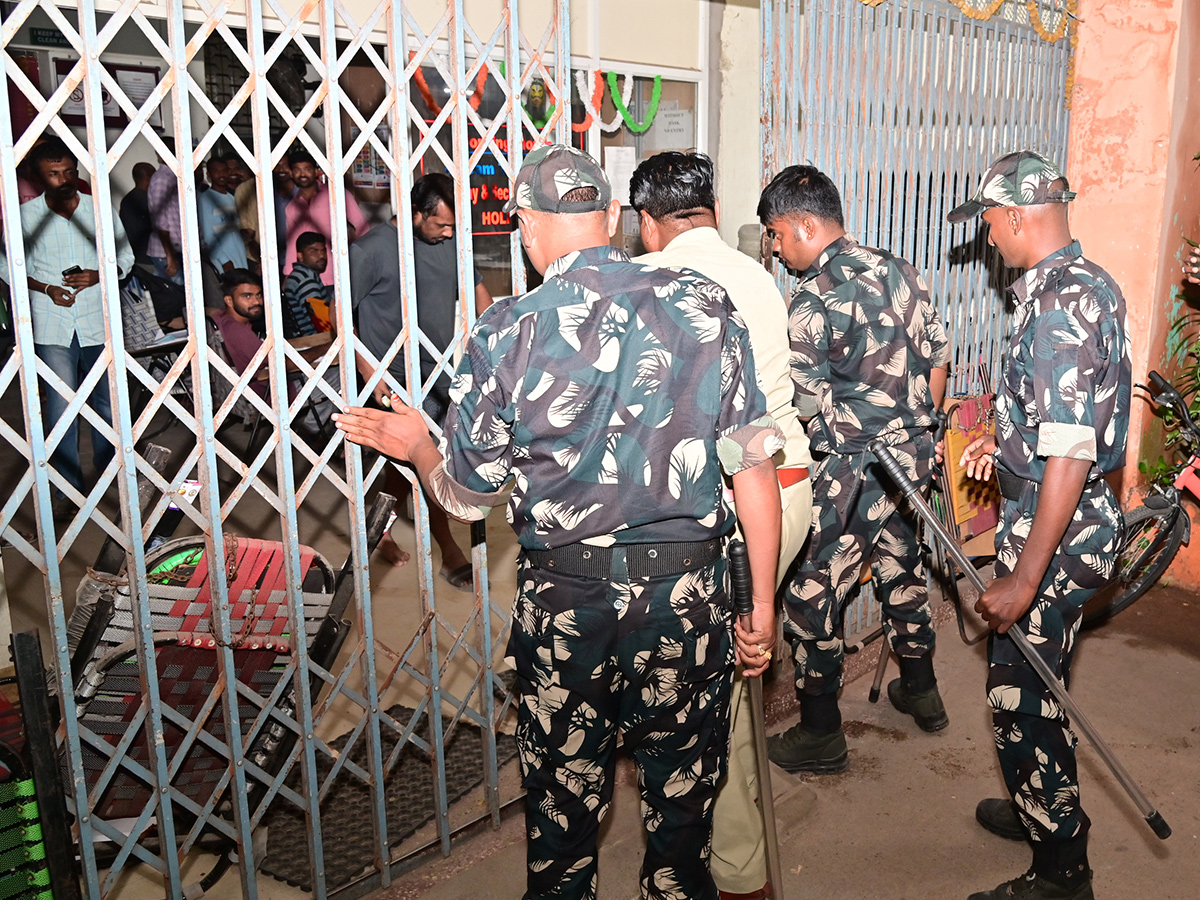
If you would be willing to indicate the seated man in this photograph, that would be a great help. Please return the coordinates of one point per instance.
(307, 297)
(239, 322)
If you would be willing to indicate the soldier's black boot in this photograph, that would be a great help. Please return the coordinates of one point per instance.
(817, 744)
(999, 816)
(1060, 872)
(915, 693)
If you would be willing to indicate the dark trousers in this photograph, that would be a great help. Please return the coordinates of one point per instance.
(652, 657)
(1034, 740)
(855, 517)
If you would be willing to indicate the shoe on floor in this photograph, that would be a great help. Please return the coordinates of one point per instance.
(999, 816)
(925, 707)
(800, 750)
(1031, 886)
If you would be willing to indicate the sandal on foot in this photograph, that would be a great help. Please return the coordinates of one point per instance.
(460, 579)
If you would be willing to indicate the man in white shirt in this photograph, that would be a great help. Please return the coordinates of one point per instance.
(59, 229)
(677, 210)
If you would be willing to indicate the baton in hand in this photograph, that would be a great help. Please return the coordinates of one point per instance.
(1153, 818)
(743, 605)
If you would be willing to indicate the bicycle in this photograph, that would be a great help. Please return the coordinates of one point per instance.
(1154, 529)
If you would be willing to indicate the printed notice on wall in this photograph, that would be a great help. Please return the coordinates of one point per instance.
(619, 163)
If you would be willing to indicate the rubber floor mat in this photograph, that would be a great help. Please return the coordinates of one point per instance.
(346, 829)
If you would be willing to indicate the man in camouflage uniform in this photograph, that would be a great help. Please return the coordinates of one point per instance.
(607, 396)
(868, 358)
(1062, 415)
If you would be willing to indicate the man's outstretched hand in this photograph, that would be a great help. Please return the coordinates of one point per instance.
(399, 433)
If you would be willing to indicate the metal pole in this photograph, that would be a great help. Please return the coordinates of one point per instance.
(1153, 818)
(743, 605)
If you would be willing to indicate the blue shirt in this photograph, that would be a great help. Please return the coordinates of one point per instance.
(54, 243)
(221, 228)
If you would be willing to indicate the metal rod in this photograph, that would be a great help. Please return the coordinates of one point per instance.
(743, 604)
(1153, 818)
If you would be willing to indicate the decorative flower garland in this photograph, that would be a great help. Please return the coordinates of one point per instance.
(427, 95)
(593, 107)
(623, 106)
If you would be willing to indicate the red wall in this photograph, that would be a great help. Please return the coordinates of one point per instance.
(1135, 126)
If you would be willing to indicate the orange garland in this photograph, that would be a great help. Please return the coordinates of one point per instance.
(597, 98)
(427, 95)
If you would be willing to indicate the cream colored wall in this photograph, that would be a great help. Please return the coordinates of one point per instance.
(737, 145)
(662, 32)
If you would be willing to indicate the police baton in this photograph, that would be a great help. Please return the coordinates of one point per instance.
(743, 605)
(1153, 818)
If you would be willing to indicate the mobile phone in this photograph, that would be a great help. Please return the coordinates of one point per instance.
(73, 270)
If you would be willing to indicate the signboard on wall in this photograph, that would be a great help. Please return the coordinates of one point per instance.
(138, 83)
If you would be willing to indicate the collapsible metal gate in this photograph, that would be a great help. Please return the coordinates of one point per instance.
(399, 41)
(904, 103)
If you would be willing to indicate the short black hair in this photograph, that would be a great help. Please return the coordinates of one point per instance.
(52, 149)
(798, 191)
(308, 238)
(673, 185)
(300, 156)
(234, 277)
(429, 191)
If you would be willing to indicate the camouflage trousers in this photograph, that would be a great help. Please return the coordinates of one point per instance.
(855, 518)
(1033, 736)
(652, 657)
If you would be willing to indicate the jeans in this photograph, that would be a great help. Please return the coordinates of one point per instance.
(160, 269)
(72, 364)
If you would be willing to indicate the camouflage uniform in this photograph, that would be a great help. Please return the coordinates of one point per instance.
(1065, 392)
(864, 338)
(608, 394)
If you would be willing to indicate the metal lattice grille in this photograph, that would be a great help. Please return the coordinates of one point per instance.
(274, 81)
(904, 104)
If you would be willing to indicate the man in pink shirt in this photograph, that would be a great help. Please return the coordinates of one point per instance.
(309, 209)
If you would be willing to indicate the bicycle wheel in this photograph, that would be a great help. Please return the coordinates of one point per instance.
(1152, 538)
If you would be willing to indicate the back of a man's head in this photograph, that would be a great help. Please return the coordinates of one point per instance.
(674, 185)
(798, 191)
(563, 201)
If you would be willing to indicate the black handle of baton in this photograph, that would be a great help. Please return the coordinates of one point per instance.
(1153, 818)
(740, 579)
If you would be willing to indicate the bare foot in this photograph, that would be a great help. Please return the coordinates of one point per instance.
(391, 551)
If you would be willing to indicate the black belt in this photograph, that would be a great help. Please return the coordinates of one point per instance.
(641, 560)
(1011, 486)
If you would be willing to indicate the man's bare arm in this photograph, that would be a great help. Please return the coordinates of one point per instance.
(756, 492)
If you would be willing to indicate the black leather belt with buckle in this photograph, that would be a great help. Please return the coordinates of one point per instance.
(641, 560)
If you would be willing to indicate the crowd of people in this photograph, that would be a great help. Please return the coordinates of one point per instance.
(632, 414)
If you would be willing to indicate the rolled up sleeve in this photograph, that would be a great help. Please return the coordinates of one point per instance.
(747, 434)
(1064, 369)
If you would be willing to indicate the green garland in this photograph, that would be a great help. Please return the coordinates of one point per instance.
(655, 96)
(615, 91)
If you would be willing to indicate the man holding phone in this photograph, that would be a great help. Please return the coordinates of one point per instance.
(63, 267)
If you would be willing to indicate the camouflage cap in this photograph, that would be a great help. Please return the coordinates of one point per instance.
(1024, 178)
(549, 173)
